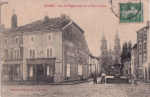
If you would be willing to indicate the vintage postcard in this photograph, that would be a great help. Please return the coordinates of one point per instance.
(91, 48)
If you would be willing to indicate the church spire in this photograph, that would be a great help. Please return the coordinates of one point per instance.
(103, 36)
(116, 37)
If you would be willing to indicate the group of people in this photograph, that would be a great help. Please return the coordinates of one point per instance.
(99, 78)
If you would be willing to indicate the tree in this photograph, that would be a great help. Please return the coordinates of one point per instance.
(129, 49)
(125, 54)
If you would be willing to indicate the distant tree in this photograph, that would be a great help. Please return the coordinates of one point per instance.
(129, 49)
(125, 54)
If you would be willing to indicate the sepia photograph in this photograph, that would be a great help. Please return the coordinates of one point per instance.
(87, 48)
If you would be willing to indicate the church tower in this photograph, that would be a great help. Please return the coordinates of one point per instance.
(117, 47)
(103, 46)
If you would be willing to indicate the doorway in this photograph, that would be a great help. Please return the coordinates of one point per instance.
(40, 73)
(11, 72)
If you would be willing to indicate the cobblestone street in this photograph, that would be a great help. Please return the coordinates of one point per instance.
(87, 89)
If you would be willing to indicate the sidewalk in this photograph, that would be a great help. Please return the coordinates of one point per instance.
(42, 83)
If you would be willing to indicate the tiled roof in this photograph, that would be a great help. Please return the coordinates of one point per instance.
(40, 25)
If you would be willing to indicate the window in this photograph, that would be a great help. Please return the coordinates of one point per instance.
(140, 72)
(80, 55)
(77, 54)
(140, 59)
(68, 70)
(126, 71)
(79, 69)
(6, 41)
(144, 45)
(140, 47)
(17, 70)
(9, 54)
(47, 70)
(6, 70)
(32, 39)
(144, 58)
(140, 35)
(16, 53)
(79, 45)
(49, 37)
(145, 33)
(31, 71)
(17, 40)
(49, 52)
(6, 54)
(32, 53)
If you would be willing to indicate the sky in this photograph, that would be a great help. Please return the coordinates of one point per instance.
(93, 20)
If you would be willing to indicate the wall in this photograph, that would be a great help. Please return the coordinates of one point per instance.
(72, 36)
(41, 45)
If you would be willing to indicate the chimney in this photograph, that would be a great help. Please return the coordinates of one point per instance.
(46, 18)
(63, 17)
(148, 22)
(14, 21)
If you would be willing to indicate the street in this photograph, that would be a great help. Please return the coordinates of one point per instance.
(87, 89)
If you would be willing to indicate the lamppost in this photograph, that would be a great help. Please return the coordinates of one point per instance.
(0, 33)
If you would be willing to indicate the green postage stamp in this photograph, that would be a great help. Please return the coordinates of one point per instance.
(131, 12)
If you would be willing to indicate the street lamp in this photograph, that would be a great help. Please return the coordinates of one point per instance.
(3, 3)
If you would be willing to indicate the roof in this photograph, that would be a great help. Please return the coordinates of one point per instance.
(41, 25)
(93, 56)
(143, 28)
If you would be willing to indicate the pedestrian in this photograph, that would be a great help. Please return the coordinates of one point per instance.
(95, 78)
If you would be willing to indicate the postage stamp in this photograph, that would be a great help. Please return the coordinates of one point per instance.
(131, 12)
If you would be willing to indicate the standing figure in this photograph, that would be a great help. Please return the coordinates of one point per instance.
(95, 78)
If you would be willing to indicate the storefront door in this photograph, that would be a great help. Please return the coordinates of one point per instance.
(40, 73)
(11, 72)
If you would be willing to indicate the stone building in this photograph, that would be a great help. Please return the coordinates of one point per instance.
(110, 56)
(143, 48)
(12, 52)
(134, 62)
(127, 67)
(95, 64)
(47, 50)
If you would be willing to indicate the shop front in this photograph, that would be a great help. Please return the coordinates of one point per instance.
(11, 70)
(41, 70)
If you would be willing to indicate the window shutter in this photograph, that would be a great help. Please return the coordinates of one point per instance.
(68, 70)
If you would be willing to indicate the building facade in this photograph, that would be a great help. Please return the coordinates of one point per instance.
(134, 62)
(127, 68)
(95, 64)
(143, 47)
(48, 50)
(12, 52)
